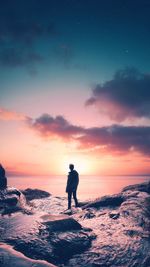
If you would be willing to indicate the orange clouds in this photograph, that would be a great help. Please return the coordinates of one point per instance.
(7, 115)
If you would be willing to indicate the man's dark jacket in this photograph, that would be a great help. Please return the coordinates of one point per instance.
(72, 182)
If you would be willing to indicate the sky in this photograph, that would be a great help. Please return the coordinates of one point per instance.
(75, 86)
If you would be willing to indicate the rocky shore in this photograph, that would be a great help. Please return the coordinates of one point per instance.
(35, 229)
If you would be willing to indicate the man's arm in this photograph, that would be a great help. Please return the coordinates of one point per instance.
(68, 182)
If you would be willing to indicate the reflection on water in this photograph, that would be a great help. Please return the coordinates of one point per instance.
(89, 187)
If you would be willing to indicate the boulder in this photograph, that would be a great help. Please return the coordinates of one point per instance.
(3, 179)
(9, 200)
(70, 243)
(106, 201)
(31, 194)
(60, 223)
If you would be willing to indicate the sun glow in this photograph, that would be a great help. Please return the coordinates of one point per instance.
(80, 164)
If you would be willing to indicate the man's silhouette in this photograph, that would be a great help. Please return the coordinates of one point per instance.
(72, 184)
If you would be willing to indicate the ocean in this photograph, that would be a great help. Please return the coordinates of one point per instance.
(90, 187)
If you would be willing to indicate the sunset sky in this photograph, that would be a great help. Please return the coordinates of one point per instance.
(75, 86)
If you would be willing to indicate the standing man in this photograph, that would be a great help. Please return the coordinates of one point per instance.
(72, 184)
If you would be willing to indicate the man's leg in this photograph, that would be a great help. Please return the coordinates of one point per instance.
(75, 198)
(69, 200)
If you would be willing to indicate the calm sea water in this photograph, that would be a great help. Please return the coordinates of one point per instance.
(90, 187)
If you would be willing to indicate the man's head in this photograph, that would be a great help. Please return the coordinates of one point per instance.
(71, 167)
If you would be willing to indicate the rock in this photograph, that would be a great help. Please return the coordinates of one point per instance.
(31, 194)
(89, 214)
(14, 191)
(143, 187)
(120, 231)
(60, 223)
(35, 248)
(122, 234)
(3, 179)
(114, 215)
(68, 244)
(106, 201)
(10, 200)
(132, 232)
(42, 237)
(10, 257)
(137, 209)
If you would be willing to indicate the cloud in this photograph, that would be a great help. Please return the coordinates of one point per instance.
(117, 139)
(25, 22)
(126, 96)
(48, 126)
(8, 115)
(113, 139)
(13, 57)
(25, 31)
(21, 29)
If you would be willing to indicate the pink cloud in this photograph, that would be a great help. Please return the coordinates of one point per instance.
(8, 115)
(126, 96)
(48, 126)
(110, 139)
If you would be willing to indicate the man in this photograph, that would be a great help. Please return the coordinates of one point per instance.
(72, 184)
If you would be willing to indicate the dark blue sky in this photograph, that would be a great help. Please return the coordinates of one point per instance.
(97, 37)
(71, 41)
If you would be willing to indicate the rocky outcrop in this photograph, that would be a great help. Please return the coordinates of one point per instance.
(110, 231)
(31, 194)
(106, 201)
(122, 231)
(53, 238)
(10, 257)
(3, 179)
(144, 187)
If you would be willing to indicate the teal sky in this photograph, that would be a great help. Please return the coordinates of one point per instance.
(77, 72)
(51, 45)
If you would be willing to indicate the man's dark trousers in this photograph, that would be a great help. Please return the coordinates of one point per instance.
(74, 193)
